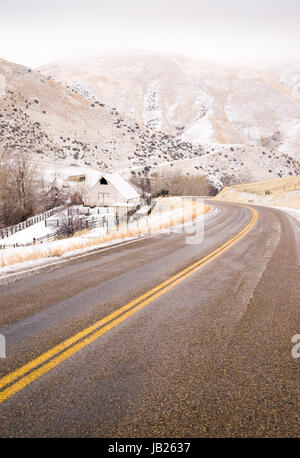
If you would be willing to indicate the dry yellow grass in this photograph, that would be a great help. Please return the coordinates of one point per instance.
(259, 187)
(124, 231)
(277, 192)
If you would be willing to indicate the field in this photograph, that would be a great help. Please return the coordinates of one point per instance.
(281, 192)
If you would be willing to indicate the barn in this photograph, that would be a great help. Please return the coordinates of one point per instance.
(110, 190)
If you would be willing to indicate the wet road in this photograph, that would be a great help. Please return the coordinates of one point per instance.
(206, 354)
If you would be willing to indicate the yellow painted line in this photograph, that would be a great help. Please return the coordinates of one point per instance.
(64, 350)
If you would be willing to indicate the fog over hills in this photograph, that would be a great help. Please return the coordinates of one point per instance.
(199, 101)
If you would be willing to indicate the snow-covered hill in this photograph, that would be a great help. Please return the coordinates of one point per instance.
(196, 100)
(77, 124)
(47, 119)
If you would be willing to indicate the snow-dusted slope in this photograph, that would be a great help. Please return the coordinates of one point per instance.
(52, 121)
(71, 124)
(196, 100)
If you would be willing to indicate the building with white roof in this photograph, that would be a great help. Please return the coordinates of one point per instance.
(111, 190)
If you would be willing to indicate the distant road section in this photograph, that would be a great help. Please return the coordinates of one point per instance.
(158, 338)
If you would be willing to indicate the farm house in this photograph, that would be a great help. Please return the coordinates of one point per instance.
(111, 190)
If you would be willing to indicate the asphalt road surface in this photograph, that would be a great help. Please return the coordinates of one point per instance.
(158, 338)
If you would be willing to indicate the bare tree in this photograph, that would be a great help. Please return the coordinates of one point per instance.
(23, 190)
(20, 192)
(76, 198)
(175, 183)
(70, 223)
(142, 183)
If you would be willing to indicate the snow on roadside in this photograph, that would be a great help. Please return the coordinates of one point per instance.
(294, 215)
(292, 211)
(39, 229)
(26, 235)
(23, 258)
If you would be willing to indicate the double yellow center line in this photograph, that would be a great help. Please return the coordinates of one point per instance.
(20, 378)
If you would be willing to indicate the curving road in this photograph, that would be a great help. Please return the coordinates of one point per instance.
(205, 354)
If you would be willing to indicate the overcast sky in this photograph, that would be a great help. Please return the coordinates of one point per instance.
(35, 32)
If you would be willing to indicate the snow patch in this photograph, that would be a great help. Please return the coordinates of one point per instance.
(152, 114)
(2, 85)
(198, 132)
(83, 89)
(291, 211)
(203, 103)
(201, 129)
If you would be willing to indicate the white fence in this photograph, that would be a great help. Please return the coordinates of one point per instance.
(7, 231)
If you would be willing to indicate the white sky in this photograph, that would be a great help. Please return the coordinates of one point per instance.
(35, 32)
